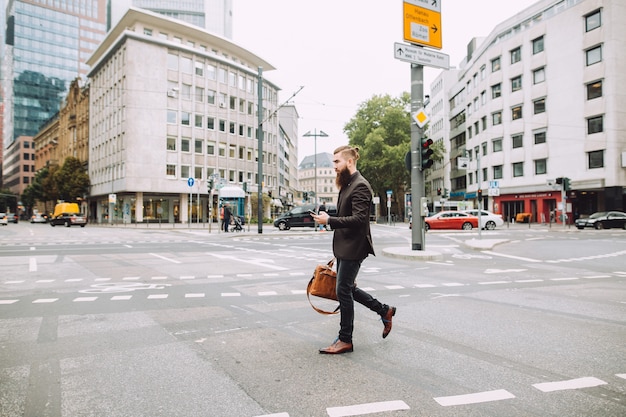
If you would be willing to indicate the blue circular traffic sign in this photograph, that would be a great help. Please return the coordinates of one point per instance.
(190, 182)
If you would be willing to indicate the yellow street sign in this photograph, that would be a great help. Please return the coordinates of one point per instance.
(421, 118)
(421, 25)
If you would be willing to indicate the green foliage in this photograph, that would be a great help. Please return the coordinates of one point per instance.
(381, 128)
(72, 181)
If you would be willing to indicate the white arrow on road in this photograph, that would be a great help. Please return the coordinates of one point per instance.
(258, 261)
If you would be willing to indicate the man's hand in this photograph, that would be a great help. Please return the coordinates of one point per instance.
(321, 217)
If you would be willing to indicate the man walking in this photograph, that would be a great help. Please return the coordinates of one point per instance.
(352, 243)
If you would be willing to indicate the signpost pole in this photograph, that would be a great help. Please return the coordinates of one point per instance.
(417, 175)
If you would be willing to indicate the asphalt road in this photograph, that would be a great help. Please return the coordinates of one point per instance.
(132, 321)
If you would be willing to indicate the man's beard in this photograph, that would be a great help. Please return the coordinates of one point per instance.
(343, 178)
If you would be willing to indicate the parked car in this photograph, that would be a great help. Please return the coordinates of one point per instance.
(13, 218)
(488, 220)
(38, 218)
(451, 220)
(300, 216)
(69, 219)
(603, 220)
(4, 221)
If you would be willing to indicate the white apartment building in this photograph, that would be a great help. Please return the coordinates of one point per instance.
(168, 102)
(541, 98)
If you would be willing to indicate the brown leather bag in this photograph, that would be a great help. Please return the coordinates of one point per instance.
(323, 284)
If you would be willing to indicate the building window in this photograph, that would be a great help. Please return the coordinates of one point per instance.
(484, 122)
(184, 144)
(541, 166)
(595, 125)
(171, 116)
(185, 118)
(516, 83)
(211, 72)
(516, 112)
(518, 169)
(594, 90)
(540, 137)
(495, 64)
(210, 123)
(594, 55)
(172, 62)
(231, 128)
(497, 145)
(593, 21)
(517, 141)
(483, 72)
(199, 68)
(484, 148)
(185, 65)
(496, 118)
(222, 152)
(233, 102)
(539, 106)
(147, 32)
(222, 125)
(199, 96)
(170, 170)
(496, 90)
(539, 75)
(198, 120)
(171, 143)
(197, 173)
(210, 148)
(538, 45)
(516, 55)
(497, 172)
(198, 145)
(184, 171)
(210, 96)
(596, 159)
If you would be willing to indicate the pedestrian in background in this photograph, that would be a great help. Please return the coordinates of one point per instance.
(227, 215)
(352, 243)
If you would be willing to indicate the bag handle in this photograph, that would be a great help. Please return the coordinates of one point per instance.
(308, 293)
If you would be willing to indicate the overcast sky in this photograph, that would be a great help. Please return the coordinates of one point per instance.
(341, 51)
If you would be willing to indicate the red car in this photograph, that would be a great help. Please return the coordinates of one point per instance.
(451, 220)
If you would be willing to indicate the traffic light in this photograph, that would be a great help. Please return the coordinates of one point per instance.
(559, 180)
(566, 184)
(445, 193)
(480, 194)
(438, 191)
(306, 196)
(426, 153)
(210, 185)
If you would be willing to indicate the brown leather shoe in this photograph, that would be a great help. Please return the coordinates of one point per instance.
(387, 317)
(337, 348)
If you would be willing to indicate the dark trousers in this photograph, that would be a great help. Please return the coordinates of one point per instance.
(348, 293)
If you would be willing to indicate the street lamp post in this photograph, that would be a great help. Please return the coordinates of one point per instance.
(315, 135)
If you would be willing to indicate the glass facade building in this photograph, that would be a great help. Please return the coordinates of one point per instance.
(45, 48)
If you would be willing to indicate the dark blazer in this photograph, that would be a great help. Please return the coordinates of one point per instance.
(352, 239)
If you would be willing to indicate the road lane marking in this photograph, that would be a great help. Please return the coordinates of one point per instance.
(528, 280)
(157, 296)
(519, 258)
(8, 301)
(164, 258)
(214, 276)
(424, 285)
(577, 383)
(45, 300)
(394, 287)
(14, 282)
(266, 293)
(121, 297)
(41, 281)
(564, 279)
(623, 376)
(452, 284)
(361, 409)
(195, 295)
(158, 278)
(32, 264)
(493, 282)
(130, 279)
(478, 397)
(84, 299)
(503, 271)
(187, 277)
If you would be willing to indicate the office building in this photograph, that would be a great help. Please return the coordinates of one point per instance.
(45, 48)
(316, 174)
(215, 16)
(169, 102)
(541, 99)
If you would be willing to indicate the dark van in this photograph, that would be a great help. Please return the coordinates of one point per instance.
(301, 216)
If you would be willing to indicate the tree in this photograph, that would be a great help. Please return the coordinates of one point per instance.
(72, 181)
(381, 129)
